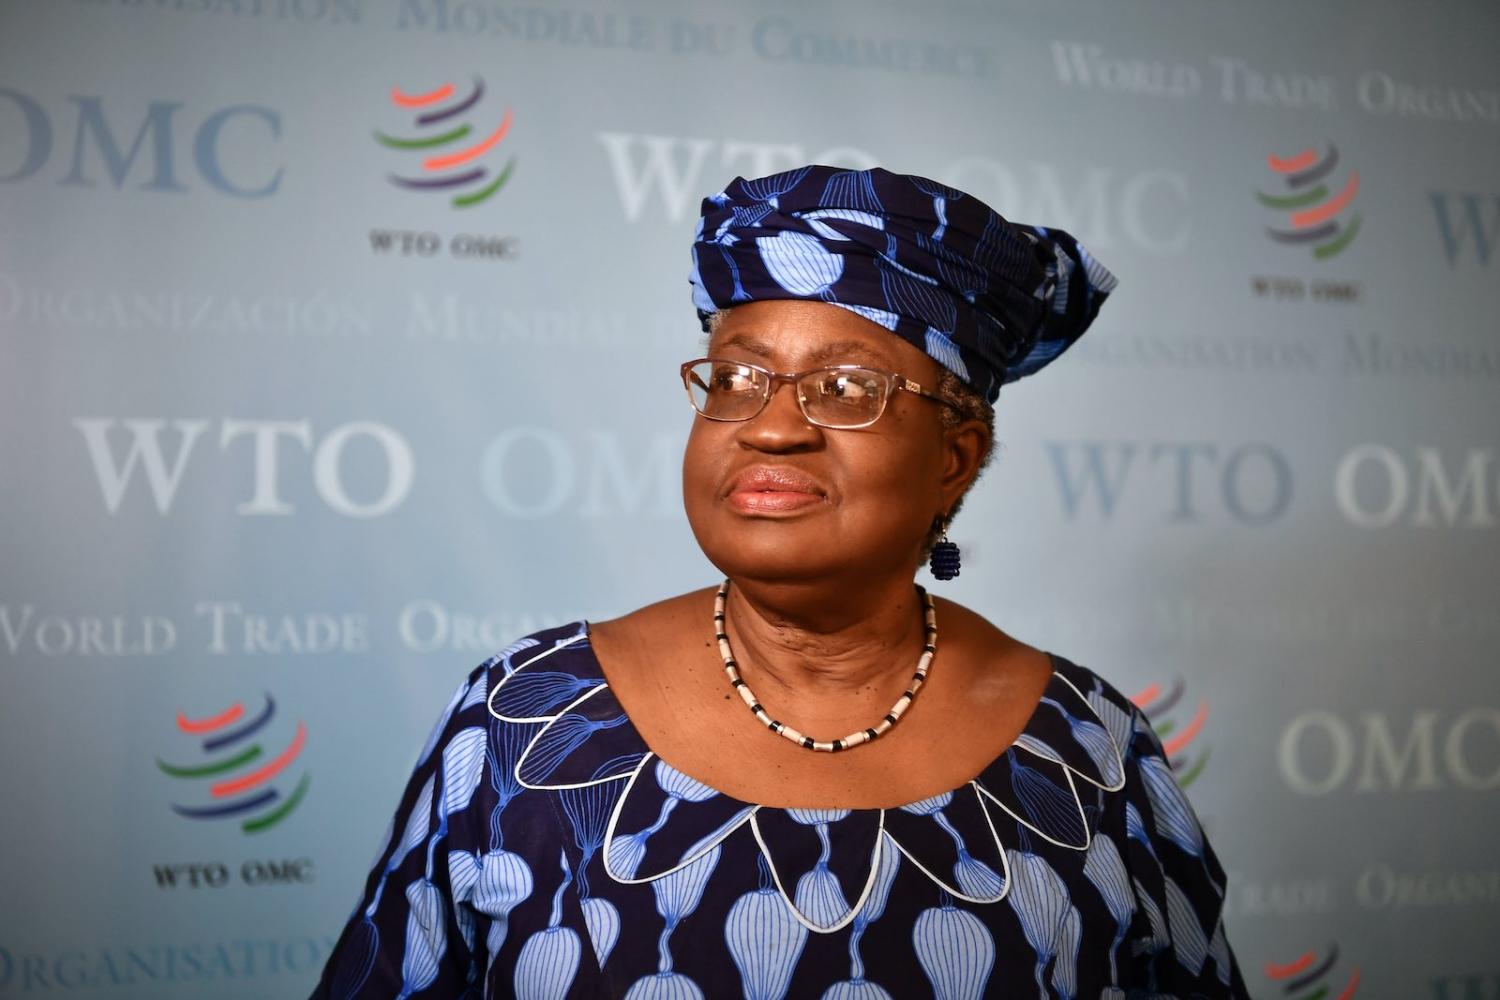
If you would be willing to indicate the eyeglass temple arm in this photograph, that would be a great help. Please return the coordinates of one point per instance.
(902, 382)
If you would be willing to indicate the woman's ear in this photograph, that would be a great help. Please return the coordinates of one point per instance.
(965, 447)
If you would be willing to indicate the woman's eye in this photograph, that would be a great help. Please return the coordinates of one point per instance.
(845, 387)
(732, 380)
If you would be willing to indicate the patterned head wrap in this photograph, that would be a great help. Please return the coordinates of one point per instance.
(989, 300)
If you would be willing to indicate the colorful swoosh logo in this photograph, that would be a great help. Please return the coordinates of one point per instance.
(238, 776)
(1187, 762)
(1315, 204)
(444, 147)
(1308, 972)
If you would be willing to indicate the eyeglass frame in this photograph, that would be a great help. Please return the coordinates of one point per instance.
(895, 382)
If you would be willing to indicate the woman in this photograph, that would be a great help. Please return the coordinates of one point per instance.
(598, 813)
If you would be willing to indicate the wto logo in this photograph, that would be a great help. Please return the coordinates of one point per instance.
(439, 128)
(1187, 764)
(1307, 973)
(239, 775)
(1314, 211)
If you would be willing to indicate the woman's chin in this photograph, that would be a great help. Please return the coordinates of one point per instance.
(784, 547)
(795, 557)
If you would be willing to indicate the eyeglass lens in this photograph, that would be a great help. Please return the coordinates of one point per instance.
(835, 398)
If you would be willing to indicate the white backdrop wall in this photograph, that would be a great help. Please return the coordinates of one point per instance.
(286, 446)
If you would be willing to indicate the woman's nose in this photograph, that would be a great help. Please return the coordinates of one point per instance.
(781, 425)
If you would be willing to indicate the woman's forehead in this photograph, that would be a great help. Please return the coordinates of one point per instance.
(789, 334)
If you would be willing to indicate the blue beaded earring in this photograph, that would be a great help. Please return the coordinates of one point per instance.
(943, 562)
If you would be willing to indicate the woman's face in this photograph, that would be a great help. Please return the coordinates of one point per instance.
(776, 497)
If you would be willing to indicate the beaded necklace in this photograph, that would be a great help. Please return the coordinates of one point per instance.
(731, 668)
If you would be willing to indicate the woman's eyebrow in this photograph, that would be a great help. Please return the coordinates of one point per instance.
(839, 350)
(846, 348)
(757, 347)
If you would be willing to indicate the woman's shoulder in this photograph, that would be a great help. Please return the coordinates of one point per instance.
(1078, 696)
(657, 622)
(472, 707)
(1127, 725)
(1096, 689)
(538, 675)
(556, 664)
(555, 642)
(978, 634)
(632, 646)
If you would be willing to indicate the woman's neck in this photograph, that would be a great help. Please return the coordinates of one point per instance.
(804, 640)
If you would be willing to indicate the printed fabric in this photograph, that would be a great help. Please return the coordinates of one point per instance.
(541, 850)
(990, 300)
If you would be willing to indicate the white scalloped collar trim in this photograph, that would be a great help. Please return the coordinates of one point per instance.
(1025, 746)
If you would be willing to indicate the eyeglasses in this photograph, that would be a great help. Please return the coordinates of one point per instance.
(843, 397)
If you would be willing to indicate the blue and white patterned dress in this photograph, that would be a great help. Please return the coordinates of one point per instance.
(542, 851)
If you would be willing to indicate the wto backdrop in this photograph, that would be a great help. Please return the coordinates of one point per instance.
(338, 346)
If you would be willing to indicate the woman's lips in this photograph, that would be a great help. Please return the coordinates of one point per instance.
(767, 501)
(769, 490)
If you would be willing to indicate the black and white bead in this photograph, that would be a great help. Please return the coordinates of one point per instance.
(929, 649)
